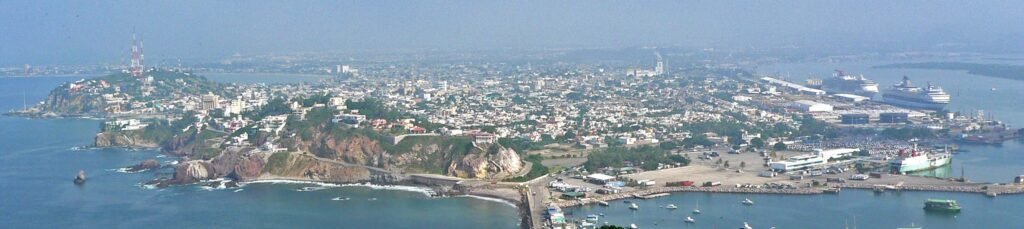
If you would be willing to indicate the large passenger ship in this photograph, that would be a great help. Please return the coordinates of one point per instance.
(906, 94)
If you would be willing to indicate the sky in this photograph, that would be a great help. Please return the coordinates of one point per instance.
(83, 32)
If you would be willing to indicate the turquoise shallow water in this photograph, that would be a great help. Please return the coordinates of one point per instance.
(38, 162)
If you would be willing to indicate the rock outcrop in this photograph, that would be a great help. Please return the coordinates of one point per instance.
(188, 173)
(80, 179)
(356, 150)
(121, 139)
(295, 165)
(144, 165)
(238, 164)
(494, 162)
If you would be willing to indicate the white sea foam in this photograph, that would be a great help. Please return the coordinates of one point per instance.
(291, 182)
(221, 186)
(506, 202)
(425, 191)
(310, 189)
(125, 170)
(239, 190)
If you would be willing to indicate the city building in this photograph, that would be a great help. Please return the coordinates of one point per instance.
(853, 119)
(892, 118)
(811, 106)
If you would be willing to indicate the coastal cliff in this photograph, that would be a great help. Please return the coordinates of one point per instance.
(453, 156)
(123, 139)
(496, 162)
(295, 165)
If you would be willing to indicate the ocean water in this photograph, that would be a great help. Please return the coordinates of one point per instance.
(855, 208)
(39, 159)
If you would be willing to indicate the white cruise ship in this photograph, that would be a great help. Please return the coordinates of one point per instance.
(906, 94)
(843, 83)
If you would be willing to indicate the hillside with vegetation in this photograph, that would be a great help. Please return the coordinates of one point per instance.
(110, 93)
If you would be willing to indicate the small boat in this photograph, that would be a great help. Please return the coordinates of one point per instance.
(375, 198)
(602, 203)
(592, 218)
(879, 190)
(747, 202)
(832, 190)
(696, 209)
(600, 214)
(746, 226)
(633, 226)
(634, 206)
(912, 226)
(690, 220)
(671, 206)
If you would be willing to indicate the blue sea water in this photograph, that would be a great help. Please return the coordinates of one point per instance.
(39, 159)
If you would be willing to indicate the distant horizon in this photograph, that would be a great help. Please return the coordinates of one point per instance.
(41, 33)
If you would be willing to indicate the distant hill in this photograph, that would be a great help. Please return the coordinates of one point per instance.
(119, 91)
(1013, 72)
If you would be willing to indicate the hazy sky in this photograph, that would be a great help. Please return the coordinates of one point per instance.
(45, 32)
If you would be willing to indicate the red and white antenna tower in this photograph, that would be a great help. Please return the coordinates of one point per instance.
(137, 57)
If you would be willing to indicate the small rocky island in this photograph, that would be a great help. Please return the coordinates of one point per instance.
(80, 179)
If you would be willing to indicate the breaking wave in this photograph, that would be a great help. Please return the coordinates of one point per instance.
(492, 199)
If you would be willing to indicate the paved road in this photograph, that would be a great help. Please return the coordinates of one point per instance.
(538, 200)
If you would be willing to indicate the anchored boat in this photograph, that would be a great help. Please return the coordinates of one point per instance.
(941, 205)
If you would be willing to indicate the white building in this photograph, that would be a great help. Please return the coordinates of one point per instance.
(837, 153)
(811, 106)
(798, 163)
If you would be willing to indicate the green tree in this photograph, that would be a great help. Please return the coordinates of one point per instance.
(757, 143)
(779, 146)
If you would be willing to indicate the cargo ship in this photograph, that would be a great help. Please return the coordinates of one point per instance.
(913, 160)
(908, 95)
(843, 83)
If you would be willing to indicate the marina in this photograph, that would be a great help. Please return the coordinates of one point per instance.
(890, 210)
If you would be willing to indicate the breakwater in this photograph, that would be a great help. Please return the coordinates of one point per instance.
(988, 189)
